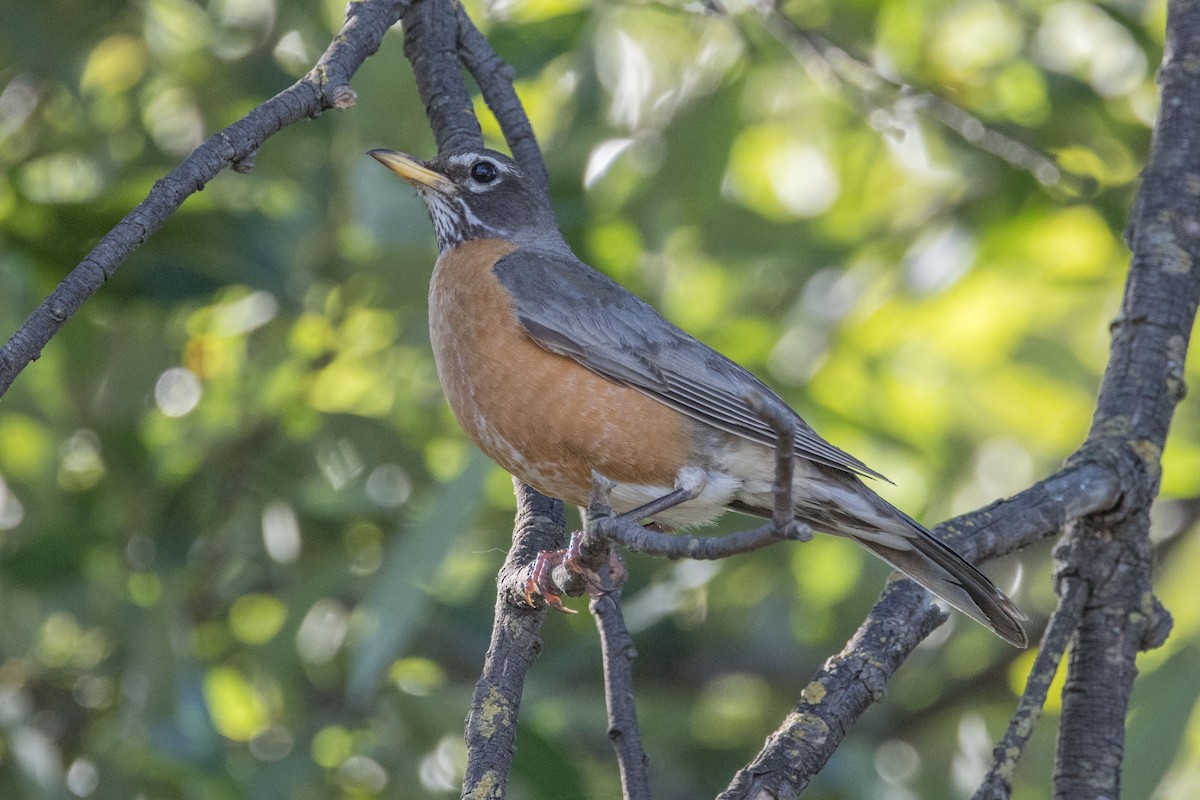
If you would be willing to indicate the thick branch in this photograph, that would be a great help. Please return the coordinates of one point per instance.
(492, 722)
(431, 44)
(325, 87)
(1141, 387)
(849, 682)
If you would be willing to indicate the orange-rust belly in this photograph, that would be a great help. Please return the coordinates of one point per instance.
(541, 416)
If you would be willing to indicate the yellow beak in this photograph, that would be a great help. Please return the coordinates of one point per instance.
(413, 171)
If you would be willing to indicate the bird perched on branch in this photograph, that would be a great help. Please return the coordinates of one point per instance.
(556, 371)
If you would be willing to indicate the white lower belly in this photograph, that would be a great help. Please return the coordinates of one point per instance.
(719, 490)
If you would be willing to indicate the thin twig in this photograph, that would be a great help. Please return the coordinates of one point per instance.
(637, 539)
(885, 101)
(617, 645)
(783, 422)
(997, 785)
(783, 525)
(495, 80)
(326, 86)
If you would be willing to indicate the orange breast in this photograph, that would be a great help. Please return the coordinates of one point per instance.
(541, 416)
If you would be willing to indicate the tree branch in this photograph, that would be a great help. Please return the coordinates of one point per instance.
(431, 45)
(840, 692)
(887, 102)
(326, 86)
(1142, 385)
(616, 647)
(433, 35)
(495, 80)
(849, 682)
(997, 785)
(491, 730)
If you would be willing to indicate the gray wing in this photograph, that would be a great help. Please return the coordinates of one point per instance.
(573, 310)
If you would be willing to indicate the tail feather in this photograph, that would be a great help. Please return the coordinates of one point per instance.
(951, 577)
(923, 558)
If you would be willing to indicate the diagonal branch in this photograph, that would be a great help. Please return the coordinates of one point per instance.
(326, 86)
(849, 682)
(495, 80)
(997, 784)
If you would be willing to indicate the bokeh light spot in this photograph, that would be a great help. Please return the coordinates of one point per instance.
(237, 710)
(256, 618)
(281, 532)
(177, 392)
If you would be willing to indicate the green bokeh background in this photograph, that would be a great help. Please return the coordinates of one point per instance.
(246, 552)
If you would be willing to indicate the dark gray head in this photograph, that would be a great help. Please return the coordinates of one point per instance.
(474, 193)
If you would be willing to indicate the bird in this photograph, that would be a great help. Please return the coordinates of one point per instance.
(556, 372)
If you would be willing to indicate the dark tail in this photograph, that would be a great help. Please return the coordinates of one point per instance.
(951, 577)
(927, 561)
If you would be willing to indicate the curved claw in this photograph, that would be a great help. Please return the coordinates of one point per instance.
(541, 580)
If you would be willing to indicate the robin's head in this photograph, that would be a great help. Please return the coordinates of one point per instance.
(473, 193)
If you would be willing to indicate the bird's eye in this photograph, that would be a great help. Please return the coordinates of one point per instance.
(484, 171)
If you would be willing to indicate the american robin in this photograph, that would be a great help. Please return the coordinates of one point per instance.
(555, 371)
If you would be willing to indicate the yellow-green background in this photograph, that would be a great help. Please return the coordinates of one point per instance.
(244, 549)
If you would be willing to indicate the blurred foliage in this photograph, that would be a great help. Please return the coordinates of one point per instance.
(245, 551)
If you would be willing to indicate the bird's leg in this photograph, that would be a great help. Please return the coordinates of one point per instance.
(689, 483)
(541, 579)
(541, 574)
(783, 514)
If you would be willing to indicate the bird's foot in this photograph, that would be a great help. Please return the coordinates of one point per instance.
(540, 579)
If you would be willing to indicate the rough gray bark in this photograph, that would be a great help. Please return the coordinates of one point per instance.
(491, 730)
(1142, 385)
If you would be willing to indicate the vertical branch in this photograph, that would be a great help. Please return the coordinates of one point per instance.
(997, 785)
(491, 730)
(1113, 561)
(618, 653)
(1141, 387)
(431, 44)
